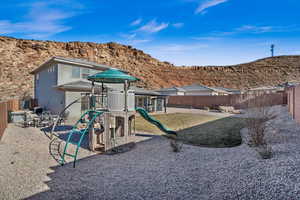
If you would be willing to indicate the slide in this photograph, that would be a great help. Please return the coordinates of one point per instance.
(152, 120)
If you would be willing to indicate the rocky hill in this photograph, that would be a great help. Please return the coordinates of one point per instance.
(18, 57)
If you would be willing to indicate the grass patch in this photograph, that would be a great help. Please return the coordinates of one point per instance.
(174, 121)
(224, 132)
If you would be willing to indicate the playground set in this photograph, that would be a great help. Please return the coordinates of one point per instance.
(107, 128)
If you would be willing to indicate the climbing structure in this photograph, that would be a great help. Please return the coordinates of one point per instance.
(88, 118)
(116, 119)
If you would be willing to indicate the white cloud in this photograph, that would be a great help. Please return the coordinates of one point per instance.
(5, 27)
(41, 21)
(136, 22)
(153, 27)
(138, 41)
(132, 39)
(211, 38)
(255, 29)
(178, 25)
(178, 48)
(128, 36)
(207, 4)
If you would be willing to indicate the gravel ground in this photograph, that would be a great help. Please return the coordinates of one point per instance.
(152, 171)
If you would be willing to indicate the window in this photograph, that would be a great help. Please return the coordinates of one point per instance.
(51, 69)
(85, 73)
(75, 72)
(37, 77)
(159, 105)
(84, 103)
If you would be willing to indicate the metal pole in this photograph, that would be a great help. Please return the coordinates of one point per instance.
(102, 95)
(272, 50)
(125, 89)
(92, 106)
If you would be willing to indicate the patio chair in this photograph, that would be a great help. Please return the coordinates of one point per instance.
(28, 121)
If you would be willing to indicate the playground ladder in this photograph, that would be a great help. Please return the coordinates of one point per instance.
(92, 115)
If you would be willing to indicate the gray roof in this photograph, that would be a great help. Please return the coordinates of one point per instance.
(80, 86)
(74, 61)
(228, 90)
(198, 87)
(84, 86)
(175, 89)
(179, 89)
(289, 84)
(266, 88)
(195, 87)
(168, 89)
(144, 92)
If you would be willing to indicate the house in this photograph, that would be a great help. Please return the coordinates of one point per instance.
(289, 84)
(174, 91)
(59, 81)
(265, 90)
(227, 91)
(197, 90)
(149, 100)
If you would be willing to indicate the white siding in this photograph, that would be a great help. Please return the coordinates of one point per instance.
(181, 93)
(48, 97)
(65, 76)
(55, 100)
(75, 109)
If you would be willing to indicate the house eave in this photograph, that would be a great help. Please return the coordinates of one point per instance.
(64, 61)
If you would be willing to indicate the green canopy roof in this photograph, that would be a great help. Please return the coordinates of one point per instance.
(112, 76)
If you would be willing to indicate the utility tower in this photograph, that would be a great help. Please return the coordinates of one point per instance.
(272, 50)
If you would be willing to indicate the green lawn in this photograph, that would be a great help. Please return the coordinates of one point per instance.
(174, 121)
(224, 132)
(198, 129)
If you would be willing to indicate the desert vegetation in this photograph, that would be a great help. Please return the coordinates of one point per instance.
(259, 124)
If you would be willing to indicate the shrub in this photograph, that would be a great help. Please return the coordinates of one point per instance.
(176, 145)
(258, 122)
(265, 151)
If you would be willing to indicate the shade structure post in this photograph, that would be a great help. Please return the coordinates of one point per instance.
(102, 95)
(92, 103)
(125, 90)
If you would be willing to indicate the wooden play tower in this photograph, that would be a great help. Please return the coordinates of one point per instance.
(117, 118)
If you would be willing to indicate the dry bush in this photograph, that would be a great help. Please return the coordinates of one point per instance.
(258, 122)
(265, 151)
(176, 145)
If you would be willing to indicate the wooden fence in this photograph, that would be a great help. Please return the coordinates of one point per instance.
(3, 118)
(293, 99)
(237, 101)
(11, 105)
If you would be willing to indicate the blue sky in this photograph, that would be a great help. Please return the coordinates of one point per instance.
(183, 32)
